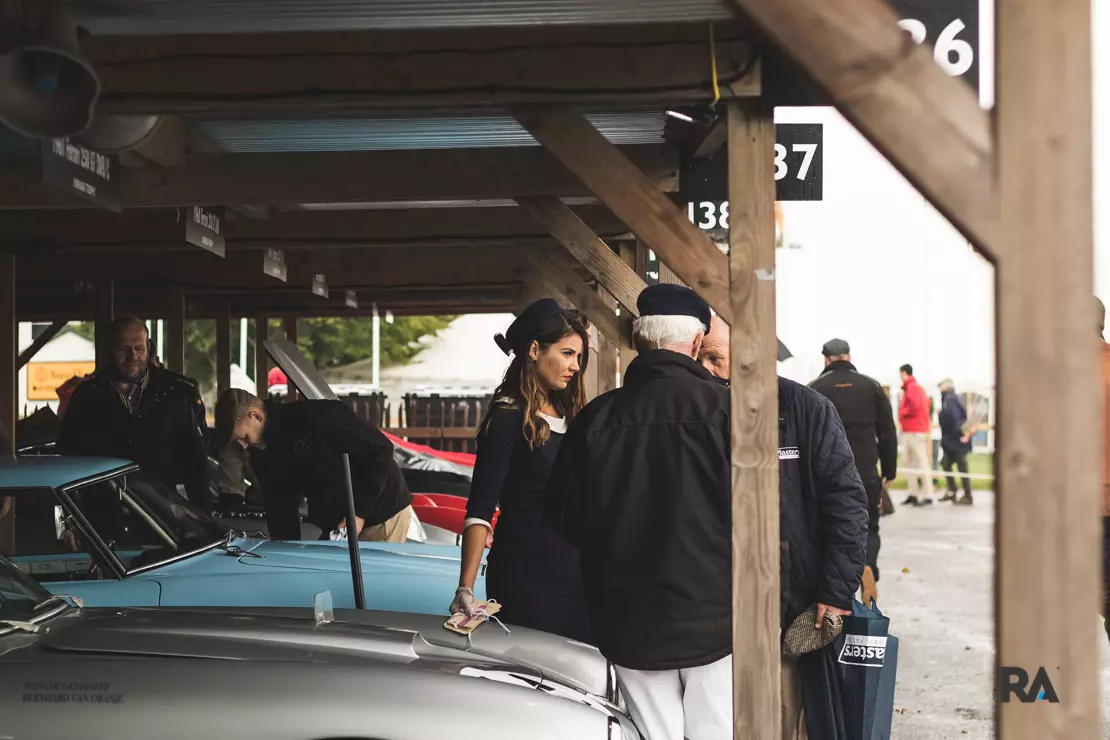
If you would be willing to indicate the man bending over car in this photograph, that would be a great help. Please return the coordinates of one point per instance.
(296, 452)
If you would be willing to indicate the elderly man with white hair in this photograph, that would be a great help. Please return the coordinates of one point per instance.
(641, 488)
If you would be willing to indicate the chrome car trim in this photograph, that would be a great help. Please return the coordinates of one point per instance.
(175, 558)
(60, 606)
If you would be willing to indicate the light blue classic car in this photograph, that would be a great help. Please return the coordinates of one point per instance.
(101, 530)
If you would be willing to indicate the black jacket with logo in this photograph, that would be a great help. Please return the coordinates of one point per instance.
(868, 420)
(164, 435)
(642, 488)
(304, 442)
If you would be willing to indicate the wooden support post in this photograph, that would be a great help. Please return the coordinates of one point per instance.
(175, 331)
(928, 124)
(40, 341)
(290, 325)
(756, 666)
(1049, 444)
(555, 268)
(261, 358)
(9, 385)
(590, 375)
(606, 358)
(626, 350)
(105, 314)
(632, 197)
(588, 248)
(223, 349)
(9, 349)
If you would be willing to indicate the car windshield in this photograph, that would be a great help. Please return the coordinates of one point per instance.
(142, 521)
(19, 595)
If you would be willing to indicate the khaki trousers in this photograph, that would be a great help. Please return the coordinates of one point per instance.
(916, 446)
(793, 716)
(394, 529)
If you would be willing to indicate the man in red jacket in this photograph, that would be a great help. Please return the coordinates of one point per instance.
(914, 416)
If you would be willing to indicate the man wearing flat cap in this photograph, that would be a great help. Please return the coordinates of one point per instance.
(868, 419)
(641, 487)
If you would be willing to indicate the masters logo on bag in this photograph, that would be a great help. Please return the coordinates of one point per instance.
(865, 650)
(789, 453)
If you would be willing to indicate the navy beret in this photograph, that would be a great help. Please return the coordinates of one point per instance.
(669, 299)
(518, 338)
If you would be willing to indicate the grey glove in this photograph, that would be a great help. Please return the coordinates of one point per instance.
(464, 602)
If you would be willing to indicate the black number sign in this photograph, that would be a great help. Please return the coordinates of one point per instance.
(798, 172)
(950, 28)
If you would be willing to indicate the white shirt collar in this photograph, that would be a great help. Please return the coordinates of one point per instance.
(557, 425)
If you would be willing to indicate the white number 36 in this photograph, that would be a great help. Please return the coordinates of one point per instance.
(946, 47)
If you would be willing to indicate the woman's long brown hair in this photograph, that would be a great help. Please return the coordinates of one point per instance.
(522, 383)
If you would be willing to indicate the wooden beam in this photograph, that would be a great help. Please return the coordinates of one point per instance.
(101, 231)
(104, 292)
(714, 137)
(754, 391)
(1047, 547)
(622, 186)
(929, 125)
(626, 349)
(326, 74)
(9, 385)
(559, 272)
(199, 271)
(588, 248)
(175, 330)
(223, 349)
(40, 341)
(9, 349)
(606, 358)
(261, 356)
(336, 177)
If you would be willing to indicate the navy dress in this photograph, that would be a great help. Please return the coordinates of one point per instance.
(532, 572)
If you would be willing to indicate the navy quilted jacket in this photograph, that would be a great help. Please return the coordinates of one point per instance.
(823, 506)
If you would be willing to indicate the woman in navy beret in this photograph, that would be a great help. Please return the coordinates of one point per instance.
(530, 567)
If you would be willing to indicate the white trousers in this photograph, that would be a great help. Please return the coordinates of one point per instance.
(691, 703)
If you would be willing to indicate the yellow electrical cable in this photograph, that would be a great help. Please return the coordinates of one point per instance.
(713, 65)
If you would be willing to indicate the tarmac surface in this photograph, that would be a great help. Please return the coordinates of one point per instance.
(936, 584)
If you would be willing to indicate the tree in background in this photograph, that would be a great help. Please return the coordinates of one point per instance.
(326, 342)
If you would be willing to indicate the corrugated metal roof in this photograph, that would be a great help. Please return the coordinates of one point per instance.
(109, 17)
(435, 132)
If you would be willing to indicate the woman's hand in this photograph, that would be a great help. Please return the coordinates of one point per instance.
(464, 602)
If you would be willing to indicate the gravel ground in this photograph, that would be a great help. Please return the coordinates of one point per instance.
(936, 568)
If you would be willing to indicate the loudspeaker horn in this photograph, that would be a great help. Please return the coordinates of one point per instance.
(48, 89)
(111, 134)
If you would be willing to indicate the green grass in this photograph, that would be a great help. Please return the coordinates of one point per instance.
(977, 462)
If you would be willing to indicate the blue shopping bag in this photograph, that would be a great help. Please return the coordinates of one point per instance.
(848, 687)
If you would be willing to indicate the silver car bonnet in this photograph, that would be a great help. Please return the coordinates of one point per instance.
(571, 663)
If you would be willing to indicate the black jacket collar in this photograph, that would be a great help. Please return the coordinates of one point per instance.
(663, 363)
(839, 366)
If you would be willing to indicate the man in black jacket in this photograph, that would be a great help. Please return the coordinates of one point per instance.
(865, 411)
(955, 440)
(642, 487)
(137, 411)
(296, 453)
